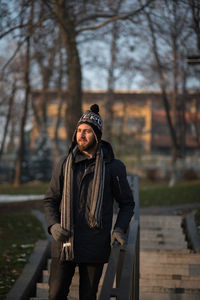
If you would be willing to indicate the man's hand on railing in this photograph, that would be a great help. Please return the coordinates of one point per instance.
(58, 233)
(118, 236)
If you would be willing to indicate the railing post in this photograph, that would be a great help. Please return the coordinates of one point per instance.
(124, 265)
(137, 217)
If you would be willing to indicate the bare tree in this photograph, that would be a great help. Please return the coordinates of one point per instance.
(44, 53)
(111, 78)
(20, 153)
(167, 21)
(74, 18)
(56, 148)
(195, 10)
(8, 117)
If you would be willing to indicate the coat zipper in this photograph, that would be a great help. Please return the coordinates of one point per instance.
(119, 185)
(86, 172)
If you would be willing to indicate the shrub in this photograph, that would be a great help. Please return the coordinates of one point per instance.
(190, 174)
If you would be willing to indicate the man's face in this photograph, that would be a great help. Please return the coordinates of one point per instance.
(85, 137)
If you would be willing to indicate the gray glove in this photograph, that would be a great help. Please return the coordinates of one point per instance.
(58, 233)
(118, 236)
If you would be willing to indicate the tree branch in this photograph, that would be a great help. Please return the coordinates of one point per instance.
(95, 16)
(12, 29)
(113, 18)
(20, 44)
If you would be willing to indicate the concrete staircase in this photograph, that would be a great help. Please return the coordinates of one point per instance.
(168, 271)
(42, 287)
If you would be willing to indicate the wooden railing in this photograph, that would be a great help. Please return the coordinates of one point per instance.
(121, 280)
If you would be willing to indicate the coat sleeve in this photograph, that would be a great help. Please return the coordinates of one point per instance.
(53, 196)
(122, 194)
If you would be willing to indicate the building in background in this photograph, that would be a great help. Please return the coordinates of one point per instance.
(138, 114)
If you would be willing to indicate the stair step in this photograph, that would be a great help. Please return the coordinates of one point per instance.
(169, 290)
(45, 276)
(69, 298)
(175, 276)
(161, 246)
(178, 257)
(162, 241)
(154, 235)
(49, 264)
(168, 232)
(43, 288)
(152, 240)
(169, 269)
(171, 296)
(35, 298)
(170, 283)
(160, 219)
(162, 228)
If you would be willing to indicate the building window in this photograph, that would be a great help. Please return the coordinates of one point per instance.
(118, 123)
(135, 124)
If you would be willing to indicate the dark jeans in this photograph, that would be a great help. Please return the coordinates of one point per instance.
(61, 277)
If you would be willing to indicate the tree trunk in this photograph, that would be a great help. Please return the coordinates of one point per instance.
(20, 153)
(68, 37)
(8, 117)
(182, 112)
(111, 81)
(56, 149)
(195, 9)
(174, 153)
(172, 128)
(196, 124)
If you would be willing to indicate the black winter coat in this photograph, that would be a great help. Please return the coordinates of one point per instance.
(90, 245)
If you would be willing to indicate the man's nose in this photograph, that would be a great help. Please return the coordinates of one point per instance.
(82, 134)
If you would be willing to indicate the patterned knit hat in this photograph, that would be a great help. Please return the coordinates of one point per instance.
(92, 118)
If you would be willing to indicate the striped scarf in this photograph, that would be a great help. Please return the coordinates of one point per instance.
(94, 214)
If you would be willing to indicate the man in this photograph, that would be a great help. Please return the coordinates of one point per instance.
(79, 209)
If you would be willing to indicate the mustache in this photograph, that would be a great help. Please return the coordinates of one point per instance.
(82, 139)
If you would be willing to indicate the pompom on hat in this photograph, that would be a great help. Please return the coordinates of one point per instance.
(92, 118)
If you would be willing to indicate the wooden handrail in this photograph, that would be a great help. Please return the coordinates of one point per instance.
(121, 279)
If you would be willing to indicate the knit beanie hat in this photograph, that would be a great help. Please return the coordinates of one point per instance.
(92, 118)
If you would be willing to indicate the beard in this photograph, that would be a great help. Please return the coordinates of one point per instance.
(87, 145)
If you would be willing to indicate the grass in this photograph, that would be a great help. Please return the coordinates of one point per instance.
(151, 193)
(160, 195)
(24, 189)
(18, 235)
